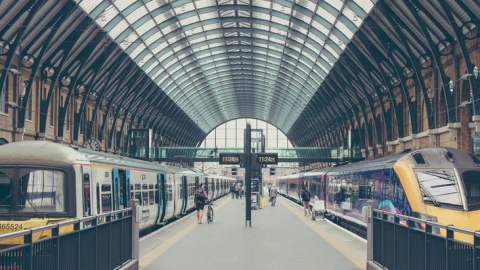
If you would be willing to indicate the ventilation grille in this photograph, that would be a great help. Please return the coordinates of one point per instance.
(106, 174)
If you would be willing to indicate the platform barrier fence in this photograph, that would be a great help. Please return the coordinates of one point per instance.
(104, 241)
(403, 242)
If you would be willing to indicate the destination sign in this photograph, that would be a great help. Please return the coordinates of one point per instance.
(267, 158)
(229, 158)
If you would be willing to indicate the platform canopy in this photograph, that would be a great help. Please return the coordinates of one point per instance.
(228, 59)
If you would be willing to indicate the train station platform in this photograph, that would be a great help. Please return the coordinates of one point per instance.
(281, 237)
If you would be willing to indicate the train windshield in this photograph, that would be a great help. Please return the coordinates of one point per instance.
(439, 186)
(471, 180)
(6, 184)
(41, 191)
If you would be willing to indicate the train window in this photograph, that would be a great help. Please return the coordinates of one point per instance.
(6, 185)
(419, 160)
(150, 186)
(181, 191)
(41, 191)
(144, 186)
(106, 188)
(152, 197)
(138, 196)
(98, 198)
(106, 202)
(145, 198)
(472, 188)
(86, 195)
(475, 159)
(137, 186)
(439, 186)
(157, 199)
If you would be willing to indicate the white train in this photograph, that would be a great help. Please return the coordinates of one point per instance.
(43, 182)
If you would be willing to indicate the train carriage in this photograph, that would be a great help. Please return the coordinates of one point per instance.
(435, 184)
(43, 182)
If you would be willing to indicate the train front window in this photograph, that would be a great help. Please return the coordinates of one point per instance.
(471, 180)
(6, 184)
(439, 186)
(41, 191)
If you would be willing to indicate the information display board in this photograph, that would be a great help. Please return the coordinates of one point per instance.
(267, 158)
(229, 158)
(255, 186)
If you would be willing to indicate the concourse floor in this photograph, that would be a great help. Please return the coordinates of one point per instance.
(280, 238)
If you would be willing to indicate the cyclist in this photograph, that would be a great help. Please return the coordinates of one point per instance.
(200, 200)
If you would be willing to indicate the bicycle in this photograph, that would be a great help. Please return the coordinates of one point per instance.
(210, 213)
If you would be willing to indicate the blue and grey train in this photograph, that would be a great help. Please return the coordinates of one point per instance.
(435, 184)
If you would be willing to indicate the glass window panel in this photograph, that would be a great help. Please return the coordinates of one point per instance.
(42, 191)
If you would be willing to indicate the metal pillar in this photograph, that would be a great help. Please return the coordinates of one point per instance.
(248, 175)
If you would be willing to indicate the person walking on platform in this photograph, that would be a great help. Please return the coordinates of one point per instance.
(199, 202)
(273, 195)
(232, 190)
(269, 187)
(306, 201)
(237, 190)
(242, 192)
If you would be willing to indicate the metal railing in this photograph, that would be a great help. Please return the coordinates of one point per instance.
(403, 242)
(107, 241)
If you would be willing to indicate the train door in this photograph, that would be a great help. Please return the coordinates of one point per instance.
(86, 191)
(185, 193)
(162, 199)
(120, 189)
(128, 186)
(197, 181)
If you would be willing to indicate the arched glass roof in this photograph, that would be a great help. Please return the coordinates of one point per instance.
(228, 59)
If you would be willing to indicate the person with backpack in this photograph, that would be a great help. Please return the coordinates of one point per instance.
(232, 190)
(306, 201)
(200, 200)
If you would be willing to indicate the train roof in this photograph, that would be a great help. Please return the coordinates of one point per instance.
(41, 150)
(434, 156)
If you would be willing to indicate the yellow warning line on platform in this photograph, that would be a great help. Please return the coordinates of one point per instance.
(146, 259)
(341, 247)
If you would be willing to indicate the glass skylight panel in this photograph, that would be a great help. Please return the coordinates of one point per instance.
(302, 17)
(337, 4)
(118, 29)
(366, 5)
(138, 50)
(211, 57)
(205, 3)
(344, 29)
(146, 26)
(89, 5)
(137, 14)
(331, 50)
(106, 16)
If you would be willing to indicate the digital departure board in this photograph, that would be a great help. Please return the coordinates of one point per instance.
(230, 158)
(267, 158)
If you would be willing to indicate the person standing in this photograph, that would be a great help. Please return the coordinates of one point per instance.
(273, 195)
(232, 190)
(237, 190)
(306, 201)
